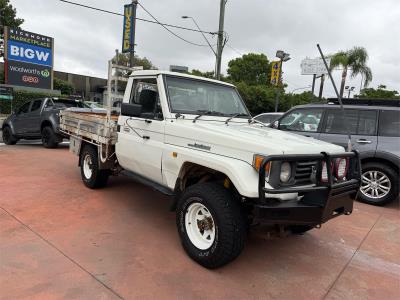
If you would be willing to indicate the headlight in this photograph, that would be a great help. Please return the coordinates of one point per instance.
(286, 172)
(341, 168)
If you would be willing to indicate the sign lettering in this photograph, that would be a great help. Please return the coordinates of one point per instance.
(275, 72)
(127, 28)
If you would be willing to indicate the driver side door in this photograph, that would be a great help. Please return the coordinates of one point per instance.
(141, 139)
(20, 125)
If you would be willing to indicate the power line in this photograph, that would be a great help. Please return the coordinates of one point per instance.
(169, 30)
(140, 19)
(229, 46)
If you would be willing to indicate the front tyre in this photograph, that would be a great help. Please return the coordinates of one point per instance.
(379, 184)
(8, 137)
(211, 225)
(91, 175)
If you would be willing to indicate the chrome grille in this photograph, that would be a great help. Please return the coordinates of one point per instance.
(304, 170)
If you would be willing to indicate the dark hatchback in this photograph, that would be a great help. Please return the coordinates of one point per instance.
(374, 126)
(37, 119)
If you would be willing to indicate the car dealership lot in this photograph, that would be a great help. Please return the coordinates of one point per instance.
(60, 239)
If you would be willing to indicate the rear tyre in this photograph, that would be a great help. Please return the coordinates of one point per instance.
(211, 225)
(91, 175)
(49, 138)
(8, 137)
(379, 184)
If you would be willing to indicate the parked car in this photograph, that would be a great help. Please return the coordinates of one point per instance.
(192, 138)
(268, 118)
(93, 104)
(374, 126)
(37, 119)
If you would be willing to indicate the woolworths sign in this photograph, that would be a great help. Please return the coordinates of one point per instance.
(29, 59)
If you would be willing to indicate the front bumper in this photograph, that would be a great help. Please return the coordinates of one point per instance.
(320, 202)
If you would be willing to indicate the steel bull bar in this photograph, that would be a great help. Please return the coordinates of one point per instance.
(322, 201)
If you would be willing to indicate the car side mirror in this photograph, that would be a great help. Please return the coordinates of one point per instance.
(131, 110)
(275, 124)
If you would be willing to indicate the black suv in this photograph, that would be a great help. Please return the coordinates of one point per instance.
(374, 126)
(37, 119)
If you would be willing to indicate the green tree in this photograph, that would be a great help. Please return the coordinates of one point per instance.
(207, 74)
(252, 68)
(355, 60)
(8, 15)
(124, 59)
(64, 86)
(379, 93)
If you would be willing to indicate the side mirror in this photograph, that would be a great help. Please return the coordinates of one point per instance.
(131, 110)
(275, 124)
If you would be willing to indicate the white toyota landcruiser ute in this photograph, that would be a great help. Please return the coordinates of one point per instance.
(194, 139)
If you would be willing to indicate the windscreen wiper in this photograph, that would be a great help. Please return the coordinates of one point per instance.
(256, 121)
(235, 116)
(206, 112)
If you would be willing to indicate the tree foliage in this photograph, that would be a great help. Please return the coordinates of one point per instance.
(207, 74)
(354, 59)
(378, 93)
(252, 69)
(8, 15)
(64, 86)
(124, 59)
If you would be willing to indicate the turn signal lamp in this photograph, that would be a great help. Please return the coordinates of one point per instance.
(257, 161)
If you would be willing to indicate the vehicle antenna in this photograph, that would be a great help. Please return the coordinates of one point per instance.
(349, 146)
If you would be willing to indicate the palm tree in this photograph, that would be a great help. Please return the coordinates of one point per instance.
(354, 59)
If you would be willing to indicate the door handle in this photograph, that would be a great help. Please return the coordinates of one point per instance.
(363, 141)
(148, 121)
(146, 137)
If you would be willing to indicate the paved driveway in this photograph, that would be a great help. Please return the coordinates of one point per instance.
(59, 239)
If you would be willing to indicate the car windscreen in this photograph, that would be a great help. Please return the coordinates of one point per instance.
(192, 96)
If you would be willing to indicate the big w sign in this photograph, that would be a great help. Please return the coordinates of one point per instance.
(28, 51)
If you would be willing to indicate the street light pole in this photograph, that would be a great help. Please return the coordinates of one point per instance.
(283, 56)
(220, 44)
(132, 37)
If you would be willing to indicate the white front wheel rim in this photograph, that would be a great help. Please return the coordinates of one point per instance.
(87, 166)
(200, 226)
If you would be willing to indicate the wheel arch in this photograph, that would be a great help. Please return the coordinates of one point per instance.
(192, 173)
(46, 123)
(9, 125)
(381, 161)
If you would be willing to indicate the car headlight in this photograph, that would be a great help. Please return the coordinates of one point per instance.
(341, 168)
(286, 172)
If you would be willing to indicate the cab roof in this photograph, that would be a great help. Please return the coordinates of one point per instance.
(176, 74)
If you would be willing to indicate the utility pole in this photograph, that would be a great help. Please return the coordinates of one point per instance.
(321, 87)
(132, 37)
(313, 83)
(220, 44)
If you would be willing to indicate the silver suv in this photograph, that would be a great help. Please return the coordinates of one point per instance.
(374, 126)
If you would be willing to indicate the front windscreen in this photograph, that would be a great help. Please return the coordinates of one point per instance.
(193, 96)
